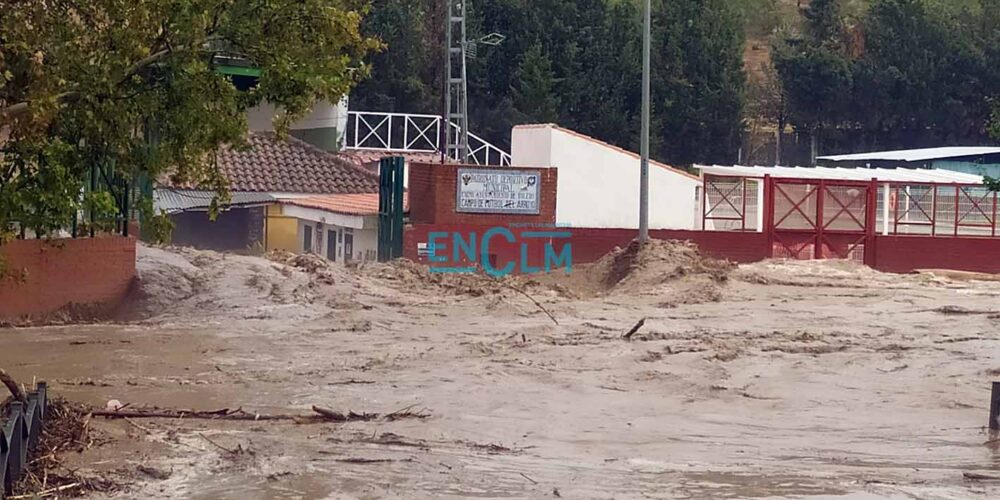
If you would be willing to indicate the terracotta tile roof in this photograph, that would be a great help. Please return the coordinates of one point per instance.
(291, 166)
(350, 204)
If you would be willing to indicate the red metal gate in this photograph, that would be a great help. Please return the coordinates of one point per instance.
(819, 219)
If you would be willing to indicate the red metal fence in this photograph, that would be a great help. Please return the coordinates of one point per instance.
(839, 219)
(888, 226)
(819, 220)
(942, 210)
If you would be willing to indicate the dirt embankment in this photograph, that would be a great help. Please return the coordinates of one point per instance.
(674, 271)
(184, 283)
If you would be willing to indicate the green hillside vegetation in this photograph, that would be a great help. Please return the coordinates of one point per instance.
(854, 73)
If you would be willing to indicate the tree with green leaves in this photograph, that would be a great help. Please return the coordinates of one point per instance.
(994, 125)
(699, 82)
(815, 71)
(824, 21)
(406, 76)
(767, 104)
(118, 89)
(921, 78)
(533, 94)
(577, 63)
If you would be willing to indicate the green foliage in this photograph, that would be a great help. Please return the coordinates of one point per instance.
(994, 125)
(534, 94)
(907, 73)
(576, 63)
(814, 70)
(994, 130)
(919, 73)
(133, 87)
(406, 76)
(818, 81)
(698, 81)
(764, 17)
(824, 21)
(157, 228)
(102, 208)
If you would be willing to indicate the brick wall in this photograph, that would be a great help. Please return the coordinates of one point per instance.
(897, 254)
(433, 188)
(89, 272)
(587, 244)
(903, 254)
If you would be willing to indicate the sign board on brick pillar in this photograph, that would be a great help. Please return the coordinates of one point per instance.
(498, 192)
(436, 192)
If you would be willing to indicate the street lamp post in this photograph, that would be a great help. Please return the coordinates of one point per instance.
(644, 148)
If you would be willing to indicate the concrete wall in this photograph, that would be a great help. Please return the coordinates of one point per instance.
(324, 127)
(365, 241)
(281, 230)
(599, 183)
(366, 244)
(44, 277)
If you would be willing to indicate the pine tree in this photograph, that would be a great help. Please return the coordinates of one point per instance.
(533, 92)
(403, 78)
(824, 22)
(698, 81)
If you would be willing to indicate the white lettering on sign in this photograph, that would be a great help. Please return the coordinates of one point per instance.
(498, 192)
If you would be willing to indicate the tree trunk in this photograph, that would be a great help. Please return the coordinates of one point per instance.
(813, 146)
(778, 144)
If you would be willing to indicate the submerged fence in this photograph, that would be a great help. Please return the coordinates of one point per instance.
(19, 434)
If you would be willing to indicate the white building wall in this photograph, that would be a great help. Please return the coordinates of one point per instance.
(363, 228)
(366, 244)
(324, 115)
(599, 183)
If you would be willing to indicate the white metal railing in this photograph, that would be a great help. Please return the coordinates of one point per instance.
(413, 133)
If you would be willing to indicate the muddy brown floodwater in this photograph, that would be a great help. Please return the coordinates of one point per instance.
(774, 380)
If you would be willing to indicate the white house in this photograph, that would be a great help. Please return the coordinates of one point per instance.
(599, 183)
(324, 126)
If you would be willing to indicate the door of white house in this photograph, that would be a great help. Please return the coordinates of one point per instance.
(331, 245)
(307, 239)
(348, 247)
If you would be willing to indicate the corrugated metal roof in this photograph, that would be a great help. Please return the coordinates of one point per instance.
(172, 200)
(847, 174)
(909, 155)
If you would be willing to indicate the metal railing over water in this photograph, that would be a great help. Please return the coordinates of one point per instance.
(413, 133)
(19, 434)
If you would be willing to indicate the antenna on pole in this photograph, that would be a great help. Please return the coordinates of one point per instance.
(456, 98)
(458, 49)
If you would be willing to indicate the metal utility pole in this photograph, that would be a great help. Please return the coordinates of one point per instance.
(458, 49)
(644, 148)
(456, 98)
